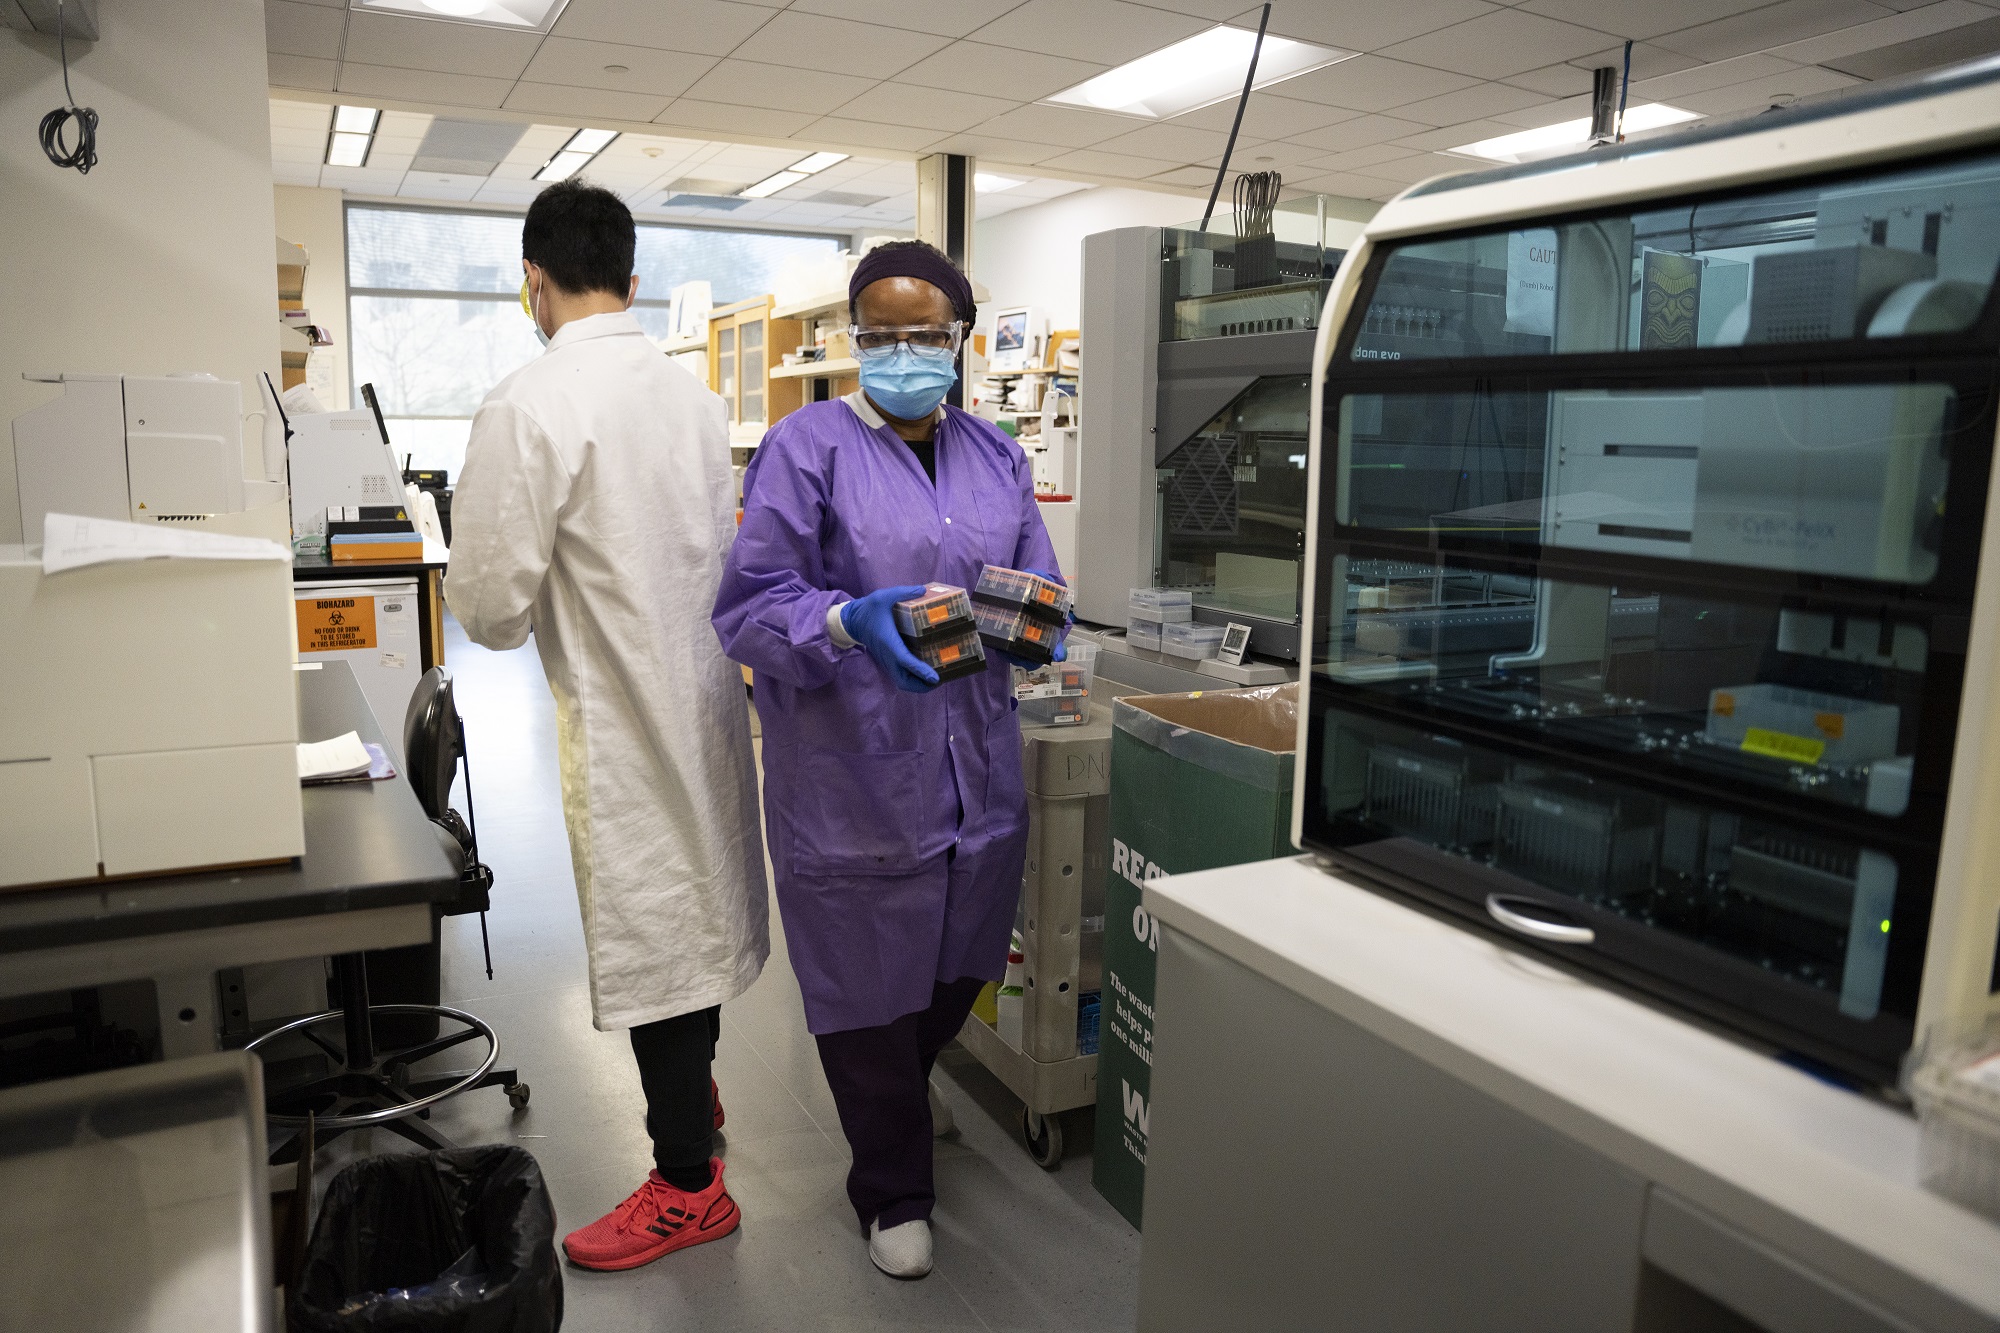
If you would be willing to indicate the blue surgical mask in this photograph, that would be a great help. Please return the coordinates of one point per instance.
(909, 384)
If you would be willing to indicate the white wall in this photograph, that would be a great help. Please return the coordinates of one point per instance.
(317, 219)
(1034, 256)
(161, 258)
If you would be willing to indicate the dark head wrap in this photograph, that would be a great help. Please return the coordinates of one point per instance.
(914, 259)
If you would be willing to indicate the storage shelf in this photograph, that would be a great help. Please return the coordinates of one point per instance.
(828, 369)
(824, 303)
(675, 346)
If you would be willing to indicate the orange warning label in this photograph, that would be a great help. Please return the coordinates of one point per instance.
(329, 624)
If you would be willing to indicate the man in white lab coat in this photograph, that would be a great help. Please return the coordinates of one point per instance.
(595, 508)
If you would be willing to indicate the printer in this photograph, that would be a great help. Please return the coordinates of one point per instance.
(143, 449)
(151, 718)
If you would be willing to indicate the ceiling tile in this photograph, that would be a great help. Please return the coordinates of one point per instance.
(946, 18)
(1551, 80)
(1109, 32)
(745, 162)
(1454, 136)
(1932, 18)
(1550, 113)
(1648, 62)
(1276, 155)
(555, 99)
(1639, 18)
(360, 180)
(303, 30)
(1184, 178)
(582, 64)
(1417, 167)
(508, 192)
(903, 104)
(1721, 74)
(705, 27)
(1353, 186)
(1063, 126)
(1499, 44)
(689, 114)
(1773, 25)
(868, 134)
(288, 173)
(294, 136)
(998, 71)
(1358, 133)
(1121, 165)
(1177, 143)
(1801, 81)
(380, 159)
(1360, 159)
(1005, 152)
(1921, 53)
(1372, 83)
(449, 48)
(430, 186)
(1353, 26)
(404, 124)
(777, 88)
(314, 116)
(303, 72)
(1266, 116)
(410, 85)
(810, 41)
(1481, 99)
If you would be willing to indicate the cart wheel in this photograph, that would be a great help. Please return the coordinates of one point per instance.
(1043, 1135)
(517, 1095)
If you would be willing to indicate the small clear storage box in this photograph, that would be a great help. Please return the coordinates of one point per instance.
(1161, 605)
(1043, 598)
(1144, 634)
(1958, 1106)
(952, 654)
(1015, 631)
(942, 606)
(1058, 694)
(1192, 641)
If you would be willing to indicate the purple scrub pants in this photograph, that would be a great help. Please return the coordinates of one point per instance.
(880, 1078)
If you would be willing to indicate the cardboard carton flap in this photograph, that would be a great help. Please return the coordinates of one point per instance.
(1248, 735)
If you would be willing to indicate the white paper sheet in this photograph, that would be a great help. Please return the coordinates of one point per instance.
(340, 757)
(73, 542)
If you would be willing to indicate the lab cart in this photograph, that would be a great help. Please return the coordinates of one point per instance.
(1068, 776)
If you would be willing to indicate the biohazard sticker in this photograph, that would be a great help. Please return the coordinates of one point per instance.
(330, 624)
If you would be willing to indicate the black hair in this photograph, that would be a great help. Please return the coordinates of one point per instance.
(918, 259)
(582, 236)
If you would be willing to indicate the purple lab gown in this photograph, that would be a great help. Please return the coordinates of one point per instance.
(868, 790)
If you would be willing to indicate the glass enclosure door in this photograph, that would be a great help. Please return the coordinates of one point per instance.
(1646, 552)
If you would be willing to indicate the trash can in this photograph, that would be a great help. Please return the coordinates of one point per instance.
(1197, 781)
(462, 1239)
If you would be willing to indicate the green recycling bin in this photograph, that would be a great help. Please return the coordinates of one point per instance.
(1197, 781)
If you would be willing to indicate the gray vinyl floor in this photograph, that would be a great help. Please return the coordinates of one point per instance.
(1018, 1247)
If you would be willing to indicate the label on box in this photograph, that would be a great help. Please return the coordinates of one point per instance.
(330, 624)
(1782, 745)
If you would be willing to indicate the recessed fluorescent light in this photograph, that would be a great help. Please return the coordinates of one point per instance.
(355, 119)
(770, 185)
(792, 175)
(347, 150)
(520, 15)
(1205, 68)
(985, 182)
(575, 154)
(1549, 140)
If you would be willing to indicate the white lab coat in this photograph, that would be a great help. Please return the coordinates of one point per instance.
(595, 508)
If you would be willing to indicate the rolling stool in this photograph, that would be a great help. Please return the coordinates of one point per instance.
(371, 1086)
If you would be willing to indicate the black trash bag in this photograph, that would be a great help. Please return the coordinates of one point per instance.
(462, 1239)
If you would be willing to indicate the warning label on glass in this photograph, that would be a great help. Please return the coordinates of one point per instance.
(329, 624)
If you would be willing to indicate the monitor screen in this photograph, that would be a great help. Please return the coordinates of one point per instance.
(1010, 331)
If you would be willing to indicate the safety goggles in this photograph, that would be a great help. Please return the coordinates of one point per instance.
(933, 338)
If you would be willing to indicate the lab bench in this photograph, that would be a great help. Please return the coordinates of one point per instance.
(371, 870)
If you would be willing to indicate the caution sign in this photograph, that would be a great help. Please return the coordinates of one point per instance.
(330, 624)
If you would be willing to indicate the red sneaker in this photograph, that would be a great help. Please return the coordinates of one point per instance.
(658, 1219)
(715, 1095)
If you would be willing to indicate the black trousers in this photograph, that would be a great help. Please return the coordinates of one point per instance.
(880, 1078)
(674, 1057)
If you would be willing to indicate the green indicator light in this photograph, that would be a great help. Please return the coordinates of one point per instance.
(1885, 927)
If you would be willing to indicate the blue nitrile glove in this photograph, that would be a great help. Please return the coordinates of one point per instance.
(1062, 649)
(871, 622)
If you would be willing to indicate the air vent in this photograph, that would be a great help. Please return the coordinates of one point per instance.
(720, 201)
(465, 147)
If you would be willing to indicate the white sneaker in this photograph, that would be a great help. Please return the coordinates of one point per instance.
(942, 1120)
(904, 1250)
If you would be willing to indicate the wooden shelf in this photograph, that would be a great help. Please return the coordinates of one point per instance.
(816, 370)
(825, 303)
